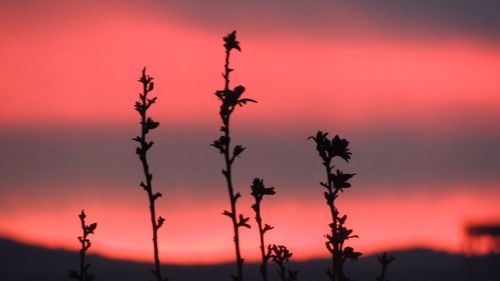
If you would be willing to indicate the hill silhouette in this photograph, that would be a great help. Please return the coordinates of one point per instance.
(22, 262)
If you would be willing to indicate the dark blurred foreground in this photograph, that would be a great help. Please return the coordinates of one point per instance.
(20, 262)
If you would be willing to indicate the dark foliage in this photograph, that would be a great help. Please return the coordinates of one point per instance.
(148, 124)
(83, 274)
(230, 98)
(281, 255)
(336, 183)
(259, 190)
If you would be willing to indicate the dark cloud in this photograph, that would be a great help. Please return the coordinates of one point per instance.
(183, 158)
(404, 18)
(325, 18)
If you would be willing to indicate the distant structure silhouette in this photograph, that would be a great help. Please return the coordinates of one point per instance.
(483, 236)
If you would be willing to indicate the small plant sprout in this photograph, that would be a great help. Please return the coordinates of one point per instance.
(83, 274)
(259, 190)
(230, 98)
(281, 255)
(384, 260)
(148, 124)
(335, 183)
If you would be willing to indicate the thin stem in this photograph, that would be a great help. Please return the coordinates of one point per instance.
(83, 274)
(83, 252)
(259, 191)
(228, 176)
(229, 99)
(334, 219)
(263, 266)
(148, 124)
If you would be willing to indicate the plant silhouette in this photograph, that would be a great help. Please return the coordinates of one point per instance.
(83, 274)
(148, 124)
(335, 183)
(281, 255)
(259, 190)
(384, 260)
(229, 100)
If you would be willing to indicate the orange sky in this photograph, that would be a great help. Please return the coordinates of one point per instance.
(384, 222)
(75, 70)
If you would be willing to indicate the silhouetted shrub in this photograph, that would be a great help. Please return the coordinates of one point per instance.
(259, 190)
(230, 98)
(335, 183)
(281, 255)
(83, 274)
(148, 124)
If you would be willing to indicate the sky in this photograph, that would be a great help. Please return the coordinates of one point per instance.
(413, 85)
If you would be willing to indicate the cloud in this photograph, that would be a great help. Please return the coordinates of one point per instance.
(324, 18)
(427, 17)
(182, 158)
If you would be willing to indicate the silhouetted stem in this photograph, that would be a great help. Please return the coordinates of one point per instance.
(156, 223)
(263, 266)
(336, 248)
(335, 182)
(83, 274)
(83, 252)
(228, 176)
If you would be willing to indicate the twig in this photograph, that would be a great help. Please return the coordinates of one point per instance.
(336, 183)
(83, 274)
(229, 100)
(147, 124)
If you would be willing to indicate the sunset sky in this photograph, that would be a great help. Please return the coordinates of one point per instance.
(413, 85)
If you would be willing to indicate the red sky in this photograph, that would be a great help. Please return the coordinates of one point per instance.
(421, 109)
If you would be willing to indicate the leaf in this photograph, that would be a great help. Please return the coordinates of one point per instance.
(149, 145)
(230, 42)
(82, 215)
(161, 220)
(157, 195)
(238, 195)
(340, 179)
(150, 124)
(227, 213)
(92, 227)
(349, 253)
(339, 147)
(243, 221)
(267, 227)
(238, 150)
(241, 102)
(329, 198)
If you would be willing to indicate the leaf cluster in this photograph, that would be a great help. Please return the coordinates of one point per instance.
(84, 275)
(280, 255)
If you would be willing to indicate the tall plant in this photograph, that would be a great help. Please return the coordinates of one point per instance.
(230, 98)
(148, 124)
(335, 183)
(259, 190)
(83, 274)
